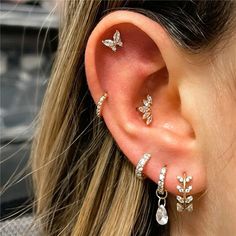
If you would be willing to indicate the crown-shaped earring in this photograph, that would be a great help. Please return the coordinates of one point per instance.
(146, 110)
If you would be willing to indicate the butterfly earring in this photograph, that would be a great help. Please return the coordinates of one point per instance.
(113, 43)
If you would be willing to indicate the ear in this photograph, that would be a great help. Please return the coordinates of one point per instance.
(147, 63)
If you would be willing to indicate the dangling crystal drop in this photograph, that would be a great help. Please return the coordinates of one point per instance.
(161, 215)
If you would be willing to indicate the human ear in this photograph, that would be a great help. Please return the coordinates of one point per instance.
(148, 63)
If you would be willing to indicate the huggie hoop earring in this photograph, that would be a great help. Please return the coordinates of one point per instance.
(140, 166)
(184, 202)
(161, 193)
(100, 103)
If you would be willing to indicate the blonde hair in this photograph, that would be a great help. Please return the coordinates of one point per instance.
(81, 190)
(84, 185)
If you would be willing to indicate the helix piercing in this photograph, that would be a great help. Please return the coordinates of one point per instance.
(146, 110)
(161, 193)
(113, 43)
(140, 166)
(184, 202)
(100, 103)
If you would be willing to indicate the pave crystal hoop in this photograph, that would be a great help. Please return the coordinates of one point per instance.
(140, 166)
(161, 193)
(100, 103)
(184, 202)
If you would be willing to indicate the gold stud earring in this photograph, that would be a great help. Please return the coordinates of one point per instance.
(184, 202)
(146, 110)
(100, 103)
(113, 43)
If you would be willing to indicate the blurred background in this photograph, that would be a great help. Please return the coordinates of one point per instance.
(28, 43)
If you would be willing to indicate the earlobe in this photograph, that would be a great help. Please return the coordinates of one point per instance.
(138, 61)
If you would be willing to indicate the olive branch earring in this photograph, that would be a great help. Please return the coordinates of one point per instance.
(146, 110)
(184, 202)
(161, 193)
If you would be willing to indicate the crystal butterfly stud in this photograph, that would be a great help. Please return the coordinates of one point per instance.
(113, 43)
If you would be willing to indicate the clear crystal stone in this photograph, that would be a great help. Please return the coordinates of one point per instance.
(180, 199)
(188, 189)
(181, 190)
(181, 180)
(149, 120)
(189, 199)
(188, 179)
(161, 215)
(189, 208)
(180, 208)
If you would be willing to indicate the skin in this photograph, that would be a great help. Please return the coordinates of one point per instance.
(194, 114)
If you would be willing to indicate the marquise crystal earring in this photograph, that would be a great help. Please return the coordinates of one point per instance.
(140, 166)
(184, 202)
(112, 44)
(146, 110)
(161, 193)
(100, 103)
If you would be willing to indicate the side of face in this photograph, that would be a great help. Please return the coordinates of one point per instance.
(193, 99)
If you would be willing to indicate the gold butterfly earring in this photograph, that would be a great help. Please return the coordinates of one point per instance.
(113, 43)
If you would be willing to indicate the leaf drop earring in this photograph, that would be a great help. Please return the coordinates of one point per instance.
(161, 193)
(184, 202)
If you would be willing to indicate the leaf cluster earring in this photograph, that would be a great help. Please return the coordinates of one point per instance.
(146, 110)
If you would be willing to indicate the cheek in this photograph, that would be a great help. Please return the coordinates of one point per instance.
(217, 121)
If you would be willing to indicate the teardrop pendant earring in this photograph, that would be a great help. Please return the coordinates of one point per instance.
(161, 193)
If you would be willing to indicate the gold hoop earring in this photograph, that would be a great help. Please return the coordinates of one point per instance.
(140, 166)
(100, 103)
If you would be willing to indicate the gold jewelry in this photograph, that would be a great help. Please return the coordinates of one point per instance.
(100, 103)
(184, 202)
(140, 166)
(113, 43)
(146, 110)
(161, 193)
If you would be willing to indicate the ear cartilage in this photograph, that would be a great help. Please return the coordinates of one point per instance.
(184, 202)
(146, 110)
(100, 103)
(112, 44)
(140, 166)
(161, 193)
